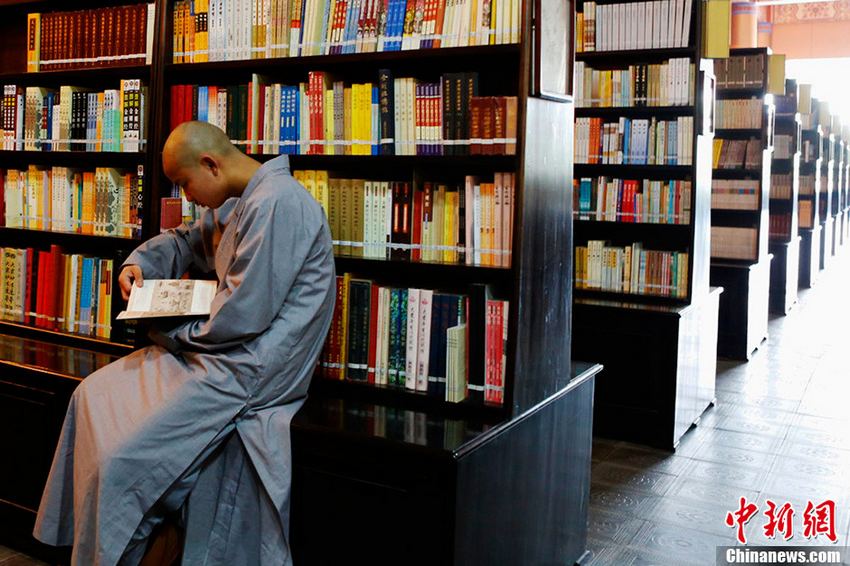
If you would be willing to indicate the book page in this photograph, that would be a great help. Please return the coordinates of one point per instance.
(170, 297)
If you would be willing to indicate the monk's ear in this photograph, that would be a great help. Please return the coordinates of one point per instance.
(211, 164)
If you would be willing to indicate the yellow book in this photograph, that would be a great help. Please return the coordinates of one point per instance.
(717, 29)
(88, 203)
(334, 211)
(322, 190)
(343, 346)
(348, 112)
(776, 74)
(715, 155)
(329, 122)
(804, 99)
(66, 304)
(579, 32)
(438, 222)
(357, 215)
(309, 182)
(33, 42)
(345, 213)
(450, 235)
(202, 42)
(177, 37)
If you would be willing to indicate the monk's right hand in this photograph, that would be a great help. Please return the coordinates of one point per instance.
(129, 275)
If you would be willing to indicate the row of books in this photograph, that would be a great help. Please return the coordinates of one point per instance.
(628, 200)
(736, 154)
(809, 151)
(447, 345)
(739, 113)
(740, 71)
(68, 361)
(394, 116)
(781, 185)
(469, 223)
(735, 194)
(729, 242)
(57, 291)
(96, 37)
(75, 119)
(634, 141)
(783, 146)
(103, 202)
(635, 25)
(664, 84)
(806, 214)
(631, 269)
(227, 30)
(807, 184)
(780, 225)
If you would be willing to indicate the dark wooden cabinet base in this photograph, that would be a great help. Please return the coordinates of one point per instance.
(743, 306)
(784, 275)
(809, 257)
(381, 485)
(660, 364)
(825, 250)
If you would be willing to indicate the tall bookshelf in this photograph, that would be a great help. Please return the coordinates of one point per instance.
(447, 468)
(655, 212)
(827, 182)
(48, 345)
(845, 186)
(835, 209)
(741, 177)
(809, 199)
(784, 242)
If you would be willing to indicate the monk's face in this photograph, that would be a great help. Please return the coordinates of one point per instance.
(201, 179)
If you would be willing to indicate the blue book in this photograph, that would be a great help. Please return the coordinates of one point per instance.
(322, 48)
(349, 32)
(48, 146)
(395, 24)
(376, 122)
(283, 132)
(584, 198)
(627, 142)
(296, 119)
(85, 295)
(672, 133)
(671, 204)
(203, 103)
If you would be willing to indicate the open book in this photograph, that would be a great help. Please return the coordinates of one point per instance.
(170, 297)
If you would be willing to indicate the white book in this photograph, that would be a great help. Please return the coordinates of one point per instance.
(476, 233)
(412, 346)
(379, 339)
(149, 27)
(655, 17)
(471, 227)
(686, 23)
(426, 298)
(678, 8)
(385, 353)
(170, 297)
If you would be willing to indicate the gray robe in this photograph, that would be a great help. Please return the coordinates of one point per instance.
(141, 432)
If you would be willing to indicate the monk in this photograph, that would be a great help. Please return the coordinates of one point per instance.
(197, 425)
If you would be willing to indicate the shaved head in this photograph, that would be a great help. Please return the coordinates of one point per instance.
(190, 140)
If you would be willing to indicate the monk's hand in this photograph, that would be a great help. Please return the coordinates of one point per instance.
(129, 275)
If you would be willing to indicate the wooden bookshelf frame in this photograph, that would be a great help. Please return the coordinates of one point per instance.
(785, 267)
(547, 398)
(649, 392)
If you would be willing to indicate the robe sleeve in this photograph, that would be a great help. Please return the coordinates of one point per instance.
(274, 242)
(170, 254)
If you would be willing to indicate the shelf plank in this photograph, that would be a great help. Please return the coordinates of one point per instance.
(724, 132)
(619, 58)
(497, 53)
(736, 174)
(389, 163)
(640, 171)
(70, 240)
(77, 76)
(627, 111)
(65, 338)
(122, 160)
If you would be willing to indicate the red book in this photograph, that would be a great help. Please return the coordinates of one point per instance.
(176, 106)
(418, 209)
(2, 202)
(373, 333)
(187, 103)
(27, 318)
(41, 288)
(57, 280)
(170, 213)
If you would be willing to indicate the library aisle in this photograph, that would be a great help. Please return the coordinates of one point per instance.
(780, 431)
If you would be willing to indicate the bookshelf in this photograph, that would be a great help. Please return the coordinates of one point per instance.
(810, 193)
(784, 241)
(837, 181)
(845, 186)
(741, 187)
(641, 200)
(545, 397)
(827, 182)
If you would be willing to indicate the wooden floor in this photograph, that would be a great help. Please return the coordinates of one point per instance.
(781, 430)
